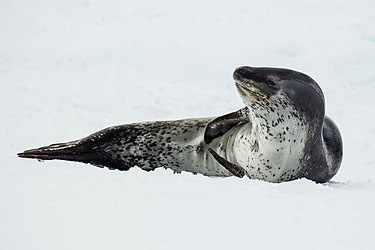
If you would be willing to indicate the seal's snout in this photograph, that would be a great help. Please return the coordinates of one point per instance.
(243, 73)
(257, 80)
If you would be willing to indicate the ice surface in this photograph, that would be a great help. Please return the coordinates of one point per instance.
(70, 68)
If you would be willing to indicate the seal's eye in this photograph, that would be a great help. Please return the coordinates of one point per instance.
(271, 83)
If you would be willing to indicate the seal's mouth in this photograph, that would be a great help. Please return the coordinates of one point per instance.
(245, 85)
(249, 90)
(245, 88)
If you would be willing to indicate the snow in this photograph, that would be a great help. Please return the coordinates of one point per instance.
(69, 68)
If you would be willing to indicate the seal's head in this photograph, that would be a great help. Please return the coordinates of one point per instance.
(264, 86)
(287, 107)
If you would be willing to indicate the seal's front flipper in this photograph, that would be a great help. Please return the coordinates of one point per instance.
(231, 167)
(223, 124)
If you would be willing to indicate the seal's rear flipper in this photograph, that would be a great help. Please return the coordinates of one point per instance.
(231, 167)
(84, 151)
(59, 151)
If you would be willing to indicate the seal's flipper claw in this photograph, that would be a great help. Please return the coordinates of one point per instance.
(223, 124)
(231, 167)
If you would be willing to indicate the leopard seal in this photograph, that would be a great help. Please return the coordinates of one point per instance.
(281, 134)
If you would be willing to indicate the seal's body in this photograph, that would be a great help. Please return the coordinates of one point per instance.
(282, 134)
(177, 145)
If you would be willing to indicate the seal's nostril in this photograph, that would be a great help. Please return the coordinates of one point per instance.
(248, 74)
(244, 72)
(240, 71)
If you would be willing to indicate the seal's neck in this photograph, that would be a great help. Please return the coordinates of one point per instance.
(278, 126)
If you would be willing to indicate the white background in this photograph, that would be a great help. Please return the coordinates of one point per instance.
(71, 67)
